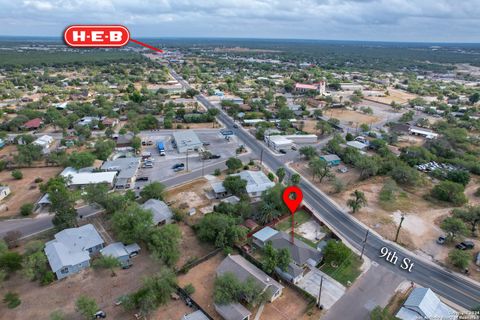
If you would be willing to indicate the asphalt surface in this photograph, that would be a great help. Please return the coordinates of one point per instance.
(458, 289)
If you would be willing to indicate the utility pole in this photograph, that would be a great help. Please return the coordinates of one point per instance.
(364, 243)
(261, 157)
(399, 226)
(320, 294)
(187, 160)
(203, 166)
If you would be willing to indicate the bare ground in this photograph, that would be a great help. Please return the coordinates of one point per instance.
(24, 190)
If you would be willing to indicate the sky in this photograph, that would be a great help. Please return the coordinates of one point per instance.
(371, 20)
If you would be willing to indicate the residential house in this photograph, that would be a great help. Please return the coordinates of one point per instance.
(4, 192)
(429, 134)
(33, 124)
(110, 122)
(71, 249)
(257, 183)
(319, 87)
(127, 170)
(422, 303)
(302, 254)
(45, 142)
(357, 145)
(123, 140)
(161, 212)
(233, 311)
(243, 270)
(121, 252)
(331, 159)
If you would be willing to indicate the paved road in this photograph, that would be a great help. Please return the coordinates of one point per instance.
(452, 286)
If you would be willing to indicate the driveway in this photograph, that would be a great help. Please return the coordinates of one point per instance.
(332, 290)
(374, 288)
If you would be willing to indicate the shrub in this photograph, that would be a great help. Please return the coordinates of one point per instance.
(459, 258)
(26, 209)
(17, 174)
(47, 278)
(217, 172)
(38, 180)
(189, 289)
(450, 191)
(12, 300)
(271, 176)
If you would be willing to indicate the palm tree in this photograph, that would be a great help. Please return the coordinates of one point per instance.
(359, 200)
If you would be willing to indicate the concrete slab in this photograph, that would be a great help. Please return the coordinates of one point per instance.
(332, 290)
(310, 230)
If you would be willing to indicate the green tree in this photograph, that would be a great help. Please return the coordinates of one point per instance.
(359, 200)
(308, 152)
(275, 258)
(107, 262)
(233, 164)
(454, 227)
(458, 176)
(295, 179)
(103, 148)
(80, 160)
(368, 166)
(281, 174)
(164, 244)
(28, 153)
(10, 261)
(62, 203)
(220, 229)
(86, 306)
(17, 174)
(26, 209)
(136, 143)
(132, 224)
(154, 190)
(35, 266)
(404, 175)
(235, 185)
(228, 288)
(449, 191)
(336, 253)
(459, 258)
(319, 168)
(469, 215)
(155, 291)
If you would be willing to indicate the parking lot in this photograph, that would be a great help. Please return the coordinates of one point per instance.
(162, 168)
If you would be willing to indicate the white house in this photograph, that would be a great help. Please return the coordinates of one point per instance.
(422, 303)
(45, 142)
(429, 134)
(257, 183)
(80, 179)
(4, 191)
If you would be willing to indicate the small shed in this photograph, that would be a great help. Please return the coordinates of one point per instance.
(331, 159)
(118, 251)
(4, 192)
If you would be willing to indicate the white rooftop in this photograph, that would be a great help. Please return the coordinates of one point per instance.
(422, 303)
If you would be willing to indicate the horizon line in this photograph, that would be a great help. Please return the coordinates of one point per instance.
(261, 38)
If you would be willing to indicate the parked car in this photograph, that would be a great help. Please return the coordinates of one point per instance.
(142, 178)
(147, 165)
(294, 148)
(465, 245)
(215, 156)
(283, 151)
(178, 169)
(178, 165)
(205, 143)
(100, 314)
(235, 126)
(441, 240)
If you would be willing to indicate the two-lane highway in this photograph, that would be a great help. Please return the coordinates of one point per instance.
(452, 286)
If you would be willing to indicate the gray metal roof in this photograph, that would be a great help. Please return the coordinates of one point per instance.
(116, 250)
(126, 167)
(257, 181)
(265, 234)
(132, 248)
(197, 315)
(186, 140)
(330, 157)
(423, 303)
(70, 246)
(300, 252)
(243, 270)
(232, 311)
(159, 209)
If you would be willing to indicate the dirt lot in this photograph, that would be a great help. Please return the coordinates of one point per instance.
(24, 190)
(351, 117)
(202, 277)
(38, 302)
(290, 305)
(418, 233)
(190, 246)
(309, 126)
(399, 96)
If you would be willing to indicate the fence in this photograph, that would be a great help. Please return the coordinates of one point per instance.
(190, 302)
(187, 266)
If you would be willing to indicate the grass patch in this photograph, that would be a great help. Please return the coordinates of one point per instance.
(300, 217)
(345, 272)
(309, 242)
(402, 202)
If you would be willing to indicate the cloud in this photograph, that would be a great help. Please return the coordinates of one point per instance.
(426, 20)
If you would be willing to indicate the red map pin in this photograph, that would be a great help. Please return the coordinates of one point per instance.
(292, 196)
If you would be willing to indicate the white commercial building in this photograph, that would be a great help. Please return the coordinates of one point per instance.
(277, 142)
(79, 179)
(423, 132)
(186, 141)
